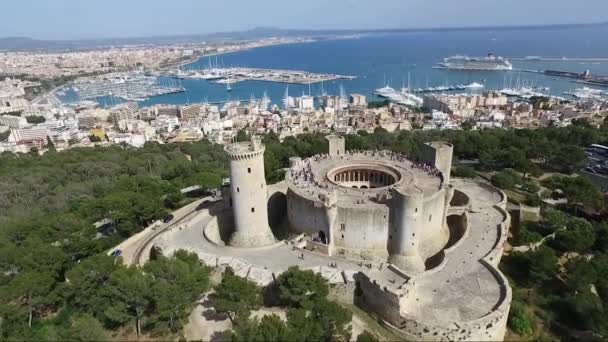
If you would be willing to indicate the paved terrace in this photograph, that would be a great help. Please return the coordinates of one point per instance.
(310, 178)
(462, 287)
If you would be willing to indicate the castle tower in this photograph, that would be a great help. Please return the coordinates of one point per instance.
(405, 228)
(249, 195)
(439, 154)
(336, 145)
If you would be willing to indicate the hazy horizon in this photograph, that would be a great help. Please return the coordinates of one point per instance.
(74, 19)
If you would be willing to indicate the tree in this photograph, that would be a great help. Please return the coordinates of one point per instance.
(28, 290)
(568, 158)
(543, 264)
(578, 191)
(209, 179)
(94, 138)
(579, 236)
(86, 328)
(272, 328)
(506, 179)
(176, 283)
(519, 319)
(244, 329)
(235, 295)
(601, 233)
(464, 172)
(580, 273)
(552, 221)
(128, 288)
(241, 136)
(366, 336)
(35, 119)
(526, 234)
(304, 325)
(334, 319)
(299, 288)
(530, 186)
(581, 310)
(4, 135)
(87, 282)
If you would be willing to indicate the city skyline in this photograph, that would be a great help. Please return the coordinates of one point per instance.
(72, 19)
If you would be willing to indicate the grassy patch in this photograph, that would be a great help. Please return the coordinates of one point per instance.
(373, 325)
(514, 196)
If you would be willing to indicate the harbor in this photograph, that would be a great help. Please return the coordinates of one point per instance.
(207, 79)
(128, 87)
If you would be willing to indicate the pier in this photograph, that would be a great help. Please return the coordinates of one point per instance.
(557, 59)
(584, 77)
(235, 75)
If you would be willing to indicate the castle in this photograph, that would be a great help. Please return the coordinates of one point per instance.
(419, 249)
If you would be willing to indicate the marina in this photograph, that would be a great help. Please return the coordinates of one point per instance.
(409, 97)
(129, 87)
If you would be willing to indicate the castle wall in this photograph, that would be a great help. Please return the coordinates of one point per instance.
(306, 215)
(372, 298)
(434, 233)
(439, 154)
(405, 231)
(495, 255)
(388, 305)
(361, 232)
(336, 145)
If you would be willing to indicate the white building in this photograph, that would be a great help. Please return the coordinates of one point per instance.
(29, 135)
(358, 100)
(305, 102)
(13, 121)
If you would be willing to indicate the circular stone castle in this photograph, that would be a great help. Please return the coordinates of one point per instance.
(413, 247)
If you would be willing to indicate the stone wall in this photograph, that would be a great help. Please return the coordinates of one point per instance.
(434, 232)
(389, 306)
(306, 215)
(439, 154)
(495, 255)
(372, 298)
(362, 227)
(342, 293)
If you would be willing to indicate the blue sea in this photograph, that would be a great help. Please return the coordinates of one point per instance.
(380, 59)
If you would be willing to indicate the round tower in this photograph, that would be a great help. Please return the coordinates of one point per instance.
(249, 195)
(405, 231)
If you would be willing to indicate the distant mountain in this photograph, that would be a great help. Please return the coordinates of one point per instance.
(25, 43)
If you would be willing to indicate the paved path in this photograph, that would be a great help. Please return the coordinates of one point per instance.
(133, 248)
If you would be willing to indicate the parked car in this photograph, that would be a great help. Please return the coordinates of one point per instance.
(168, 218)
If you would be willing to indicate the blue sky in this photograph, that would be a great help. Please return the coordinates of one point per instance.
(75, 19)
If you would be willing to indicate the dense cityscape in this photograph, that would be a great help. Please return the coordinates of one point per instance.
(136, 205)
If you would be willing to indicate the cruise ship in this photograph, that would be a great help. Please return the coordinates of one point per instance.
(491, 63)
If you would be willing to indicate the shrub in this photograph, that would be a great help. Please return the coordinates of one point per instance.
(464, 172)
